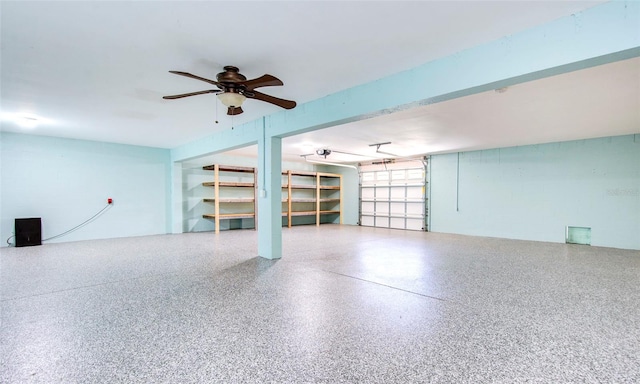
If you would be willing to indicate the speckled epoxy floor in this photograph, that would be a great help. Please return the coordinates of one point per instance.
(344, 305)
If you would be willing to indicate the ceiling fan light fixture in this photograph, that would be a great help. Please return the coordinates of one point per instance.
(231, 99)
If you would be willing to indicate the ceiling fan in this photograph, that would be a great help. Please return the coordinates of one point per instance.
(234, 89)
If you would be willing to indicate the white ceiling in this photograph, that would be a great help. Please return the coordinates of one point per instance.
(98, 70)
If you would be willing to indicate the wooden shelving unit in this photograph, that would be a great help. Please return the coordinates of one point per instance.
(317, 182)
(321, 190)
(219, 184)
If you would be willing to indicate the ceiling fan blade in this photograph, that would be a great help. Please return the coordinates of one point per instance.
(232, 111)
(190, 94)
(195, 77)
(286, 104)
(262, 81)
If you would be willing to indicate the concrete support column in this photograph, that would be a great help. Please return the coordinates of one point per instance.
(269, 197)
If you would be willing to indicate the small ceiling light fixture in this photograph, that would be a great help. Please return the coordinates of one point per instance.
(232, 99)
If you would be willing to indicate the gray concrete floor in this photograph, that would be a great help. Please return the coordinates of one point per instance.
(344, 305)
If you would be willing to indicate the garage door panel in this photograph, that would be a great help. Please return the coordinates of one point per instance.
(382, 222)
(368, 177)
(382, 176)
(368, 193)
(397, 223)
(398, 192)
(415, 192)
(368, 207)
(382, 193)
(415, 174)
(415, 209)
(415, 224)
(397, 209)
(395, 197)
(367, 221)
(382, 207)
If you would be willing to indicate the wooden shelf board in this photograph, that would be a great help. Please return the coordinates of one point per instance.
(294, 200)
(230, 200)
(228, 184)
(300, 213)
(300, 173)
(310, 186)
(229, 168)
(329, 212)
(231, 216)
(300, 186)
(332, 175)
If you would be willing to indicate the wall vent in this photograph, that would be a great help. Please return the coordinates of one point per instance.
(578, 235)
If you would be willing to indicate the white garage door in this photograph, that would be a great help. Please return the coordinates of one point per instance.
(394, 195)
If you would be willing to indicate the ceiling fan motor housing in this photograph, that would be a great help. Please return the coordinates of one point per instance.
(231, 74)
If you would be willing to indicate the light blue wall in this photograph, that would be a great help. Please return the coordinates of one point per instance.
(67, 181)
(534, 192)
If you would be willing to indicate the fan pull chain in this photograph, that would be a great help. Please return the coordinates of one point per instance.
(216, 112)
